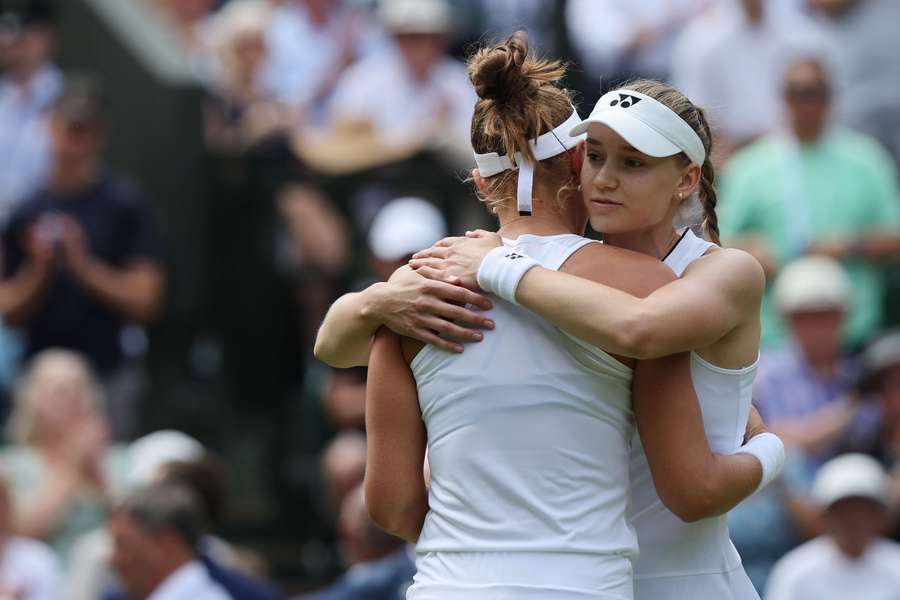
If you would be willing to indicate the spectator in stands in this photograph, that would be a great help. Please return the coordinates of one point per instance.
(622, 40)
(881, 379)
(380, 566)
(311, 43)
(186, 17)
(239, 113)
(155, 534)
(80, 259)
(29, 570)
(62, 469)
(396, 103)
(806, 391)
(815, 189)
(852, 560)
(29, 86)
(736, 69)
(343, 467)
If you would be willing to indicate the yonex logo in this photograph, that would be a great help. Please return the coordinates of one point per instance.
(514, 256)
(626, 100)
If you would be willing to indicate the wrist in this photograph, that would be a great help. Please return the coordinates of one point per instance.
(768, 449)
(502, 269)
(372, 301)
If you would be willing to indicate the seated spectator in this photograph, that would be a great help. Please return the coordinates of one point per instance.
(311, 43)
(380, 566)
(815, 189)
(62, 470)
(343, 467)
(852, 559)
(80, 259)
(29, 570)
(29, 86)
(167, 457)
(239, 113)
(881, 379)
(395, 103)
(156, 531)
(806, 391)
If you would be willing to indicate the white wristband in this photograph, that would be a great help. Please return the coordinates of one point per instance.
(769, 451)
(502, 270)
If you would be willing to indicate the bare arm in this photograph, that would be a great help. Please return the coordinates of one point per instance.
(409, 305)
(134, 291)
(20, 295)
(692, 481)
(710, 300)
(395, 490)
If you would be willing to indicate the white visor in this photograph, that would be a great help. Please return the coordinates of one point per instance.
(548, 145)
(648, 125)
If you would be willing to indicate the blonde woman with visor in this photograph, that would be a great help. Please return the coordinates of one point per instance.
(528, 433)
(646, 156)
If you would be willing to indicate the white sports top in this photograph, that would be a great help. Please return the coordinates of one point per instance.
(669, 546)
(528, 442)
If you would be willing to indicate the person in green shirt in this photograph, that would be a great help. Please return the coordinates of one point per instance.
(815, 189)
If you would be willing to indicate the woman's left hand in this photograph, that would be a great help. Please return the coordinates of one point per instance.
(755, 425)
(456, 256)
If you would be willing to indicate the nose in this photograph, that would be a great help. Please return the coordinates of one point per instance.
(605, 178)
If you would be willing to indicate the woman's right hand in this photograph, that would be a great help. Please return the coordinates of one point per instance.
(421, 308)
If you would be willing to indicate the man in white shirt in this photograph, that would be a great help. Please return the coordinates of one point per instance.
(29, 570)
(155, 534)
(851, 560)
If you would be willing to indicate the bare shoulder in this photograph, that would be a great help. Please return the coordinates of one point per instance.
(734, 268)
(632, 272)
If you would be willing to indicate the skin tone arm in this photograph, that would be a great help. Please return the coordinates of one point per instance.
(395, 489)
(688, 313)
(408, 304)
(20, 295)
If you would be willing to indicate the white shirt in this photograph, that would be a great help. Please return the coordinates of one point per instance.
(382, 91)
(818, 570)
(29, 570)
(190, 582)
(528, 437)
(24, 141)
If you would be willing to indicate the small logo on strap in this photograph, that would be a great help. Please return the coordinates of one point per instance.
(514, 256)
(626, 100)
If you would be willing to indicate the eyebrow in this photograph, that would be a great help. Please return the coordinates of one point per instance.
(627, 147)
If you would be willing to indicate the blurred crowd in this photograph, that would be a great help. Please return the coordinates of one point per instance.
(365, 107)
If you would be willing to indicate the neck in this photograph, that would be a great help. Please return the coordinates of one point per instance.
(69, 175)
(656, 242)
(543, 221)
(171, 565)
(808, 136)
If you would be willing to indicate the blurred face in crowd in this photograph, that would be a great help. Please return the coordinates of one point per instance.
(890, 395)
(60, 398)
(136, 555)
(25, 50)
(807, 94)
(754, 9)
(854, 522)
(818, 334)
(421, 51)
(186, 11)
(625, 190)
(249, 51)
(75, 140)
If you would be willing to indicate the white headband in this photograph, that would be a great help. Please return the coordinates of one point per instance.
(546, 146)
(648, 125)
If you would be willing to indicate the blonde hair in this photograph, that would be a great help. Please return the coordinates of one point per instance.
(21, 425)
(519, 99)
(695, 117)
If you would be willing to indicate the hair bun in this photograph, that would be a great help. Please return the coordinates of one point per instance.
(504, 73)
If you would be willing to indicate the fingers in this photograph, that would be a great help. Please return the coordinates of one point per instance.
(447, 242)
(478, 233)
(436, 264)
(448, 329)
(436, 275)
(463, 316)
(433, 252)
(462, 296)
(429, 337)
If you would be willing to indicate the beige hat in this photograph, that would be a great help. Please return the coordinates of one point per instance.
(850, 476)
(405, 226)
(812, 283)
(415, 16)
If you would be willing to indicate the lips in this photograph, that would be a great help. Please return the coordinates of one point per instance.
(604, 203)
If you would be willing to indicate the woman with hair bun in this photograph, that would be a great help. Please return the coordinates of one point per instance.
(646, 154)
(528, 433)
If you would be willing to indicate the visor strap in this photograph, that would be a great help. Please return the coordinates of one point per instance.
(524, 186)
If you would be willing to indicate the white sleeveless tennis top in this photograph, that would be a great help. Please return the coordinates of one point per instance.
(681, 560)
(528, 443)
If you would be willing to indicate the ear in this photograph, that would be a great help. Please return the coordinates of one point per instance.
(576, 157)
(690, 181)
(480, 184)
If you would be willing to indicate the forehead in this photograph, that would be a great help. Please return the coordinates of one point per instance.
(806, 72)
(600, 134)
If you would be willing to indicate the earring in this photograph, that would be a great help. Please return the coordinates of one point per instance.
(681, 195)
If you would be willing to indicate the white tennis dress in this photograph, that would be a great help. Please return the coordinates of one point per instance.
(528, 442)
(678, 560)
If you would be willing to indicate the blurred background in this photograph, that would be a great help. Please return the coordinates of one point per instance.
(186, 185)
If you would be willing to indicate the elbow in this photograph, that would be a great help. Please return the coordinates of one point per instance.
(691, 505)
(328, 354)
(398, 517)
(635, 338)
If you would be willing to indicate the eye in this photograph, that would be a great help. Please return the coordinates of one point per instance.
(633, 163)
(594, 157)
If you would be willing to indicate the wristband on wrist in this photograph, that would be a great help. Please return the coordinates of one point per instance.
(769, 451)
(502, 270)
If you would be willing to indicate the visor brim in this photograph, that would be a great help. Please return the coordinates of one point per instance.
(634, 131)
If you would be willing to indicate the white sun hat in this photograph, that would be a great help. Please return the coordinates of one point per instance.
(415, 16)
(648, 125)
(851, 476)
(147, 454)
(403, 227)
(812, 283)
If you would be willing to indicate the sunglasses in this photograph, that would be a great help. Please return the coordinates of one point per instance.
(807, 92)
